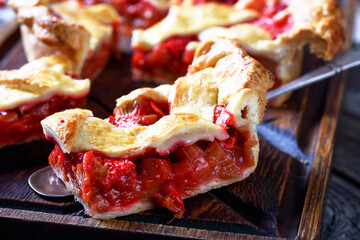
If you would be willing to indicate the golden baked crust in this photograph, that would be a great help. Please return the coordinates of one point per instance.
(221, 69)
(67, 28)
(74, 130)
(255, 41)
(187, 18)
(96, 19)
(58, 63)
(39, 80)
(241, 79)
(45, 34)
(318, 22)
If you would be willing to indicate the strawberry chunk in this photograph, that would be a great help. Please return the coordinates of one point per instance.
(229, 169)
(122, 174)
(202, 169)
(215, 154)
(144, 112)
(193, 155)
(157, 169)
(184, 172)
(94, 172)
(189, 152)
(167, 56)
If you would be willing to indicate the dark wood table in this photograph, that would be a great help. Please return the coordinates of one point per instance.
(341, 218)
(341, 214)
(342, 211)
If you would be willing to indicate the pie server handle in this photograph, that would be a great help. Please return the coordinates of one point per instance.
(338, 65)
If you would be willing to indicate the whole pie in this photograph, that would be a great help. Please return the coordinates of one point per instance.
(168, 143)
(33, 92)
(272, 31)
(86, 34)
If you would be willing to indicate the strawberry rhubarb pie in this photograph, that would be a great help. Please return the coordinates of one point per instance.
(165, 144)
(33, 92)
(86, 34)
(272, 31)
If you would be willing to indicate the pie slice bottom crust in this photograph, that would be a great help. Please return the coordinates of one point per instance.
(169, 143)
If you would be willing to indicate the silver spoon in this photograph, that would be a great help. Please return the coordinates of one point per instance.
(45, 182)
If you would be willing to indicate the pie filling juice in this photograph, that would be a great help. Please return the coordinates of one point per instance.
(109, 184)
(23, 122)
(171, 57)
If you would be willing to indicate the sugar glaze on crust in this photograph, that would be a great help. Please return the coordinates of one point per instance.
(226, 75)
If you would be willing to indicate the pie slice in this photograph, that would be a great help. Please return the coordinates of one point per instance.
(165, 144)
(33, 92)
(272, 31)
(86, 34)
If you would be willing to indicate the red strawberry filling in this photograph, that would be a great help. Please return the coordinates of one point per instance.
(269, 20)
(145, 112)
(23, 122)
(169, 58)
(109, 184)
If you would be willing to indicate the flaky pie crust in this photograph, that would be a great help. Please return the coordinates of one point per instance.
(65, 27)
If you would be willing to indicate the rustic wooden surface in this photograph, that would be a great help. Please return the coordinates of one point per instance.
(283, 198)
(342, 212)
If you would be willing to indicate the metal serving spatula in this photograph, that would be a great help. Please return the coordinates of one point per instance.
(336, 66)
